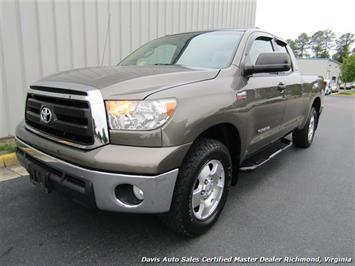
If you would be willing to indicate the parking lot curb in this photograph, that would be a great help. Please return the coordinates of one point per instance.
(8, 159)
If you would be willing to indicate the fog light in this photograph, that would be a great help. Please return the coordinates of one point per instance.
(129, 194)
(138, 193)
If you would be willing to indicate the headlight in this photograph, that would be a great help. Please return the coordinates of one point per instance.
(139, 115)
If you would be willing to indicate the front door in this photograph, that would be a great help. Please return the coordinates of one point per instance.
(266, 101)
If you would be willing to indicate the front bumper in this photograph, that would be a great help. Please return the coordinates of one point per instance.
(110, 158)
(98, 187)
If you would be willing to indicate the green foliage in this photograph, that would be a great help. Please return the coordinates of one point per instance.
(7, 148)
(322, 42)
(343, 46)
(302, 43)
(293, 46)
(348, 69)
(347, 92)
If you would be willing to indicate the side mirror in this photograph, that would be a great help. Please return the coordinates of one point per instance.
(269, 63)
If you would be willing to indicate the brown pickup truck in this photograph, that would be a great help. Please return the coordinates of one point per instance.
(168, 129)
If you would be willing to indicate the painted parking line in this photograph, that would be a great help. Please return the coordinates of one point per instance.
(8, 159)
(12, 172)
(10, 167)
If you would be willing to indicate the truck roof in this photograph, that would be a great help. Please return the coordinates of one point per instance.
(246, 30)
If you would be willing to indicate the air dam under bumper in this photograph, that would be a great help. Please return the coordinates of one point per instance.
(158, 189)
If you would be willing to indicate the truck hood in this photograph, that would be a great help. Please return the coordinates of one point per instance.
(132, 82)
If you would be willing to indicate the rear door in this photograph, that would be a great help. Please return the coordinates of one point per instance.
(292, 81)
(266, 103)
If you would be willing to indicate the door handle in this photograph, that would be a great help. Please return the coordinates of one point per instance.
(281, 87)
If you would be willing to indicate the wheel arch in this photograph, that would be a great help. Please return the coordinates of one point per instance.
(229, 135)
(317, 105)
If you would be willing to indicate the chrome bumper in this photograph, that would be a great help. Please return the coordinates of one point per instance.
(158, 189)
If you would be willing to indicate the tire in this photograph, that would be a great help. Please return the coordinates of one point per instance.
(303, 138)
(204, 157)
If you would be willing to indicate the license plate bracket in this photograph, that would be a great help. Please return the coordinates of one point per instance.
(39, 177)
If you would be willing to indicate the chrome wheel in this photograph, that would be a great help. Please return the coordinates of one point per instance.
(208, 189)
(311, 128)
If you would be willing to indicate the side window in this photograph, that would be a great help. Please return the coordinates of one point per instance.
(162, 54)
(259, 46)
(294, 60)
(282, 47)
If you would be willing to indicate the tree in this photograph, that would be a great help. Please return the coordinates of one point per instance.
(300, 46)
(316, 42)
(303, 44)
(329, 38)
(322, 42)
(348, 69)
(343, 46)
(293, 46)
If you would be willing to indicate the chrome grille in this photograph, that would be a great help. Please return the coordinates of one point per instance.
(71, 119)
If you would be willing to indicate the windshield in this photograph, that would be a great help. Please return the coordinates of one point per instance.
(203, 50)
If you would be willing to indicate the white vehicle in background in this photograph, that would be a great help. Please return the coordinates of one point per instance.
(334, 88)
(348, 85)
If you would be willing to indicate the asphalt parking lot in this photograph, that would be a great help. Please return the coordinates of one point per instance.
(298, 204)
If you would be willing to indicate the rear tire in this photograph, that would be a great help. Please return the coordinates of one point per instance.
(201, 188)
(303, 138)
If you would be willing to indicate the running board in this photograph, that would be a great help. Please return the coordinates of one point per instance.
(265, 155)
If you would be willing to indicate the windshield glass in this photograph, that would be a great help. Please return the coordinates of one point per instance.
(204, 50)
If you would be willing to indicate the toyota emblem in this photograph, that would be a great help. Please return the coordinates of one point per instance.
(46, 114)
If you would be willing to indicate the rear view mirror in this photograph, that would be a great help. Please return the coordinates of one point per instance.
(269, 63)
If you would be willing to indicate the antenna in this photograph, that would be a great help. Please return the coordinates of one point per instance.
(107, 33)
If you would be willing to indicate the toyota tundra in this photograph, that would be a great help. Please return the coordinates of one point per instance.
(168, 129)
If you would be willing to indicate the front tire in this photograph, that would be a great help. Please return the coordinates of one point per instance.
(201, 188)
(303, 138)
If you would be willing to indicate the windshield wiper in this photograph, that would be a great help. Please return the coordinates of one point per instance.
(162, 64)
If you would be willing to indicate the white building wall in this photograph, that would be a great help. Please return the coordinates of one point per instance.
(40, 37)
(324, 67)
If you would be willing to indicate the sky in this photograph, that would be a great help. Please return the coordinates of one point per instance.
(288, 18)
